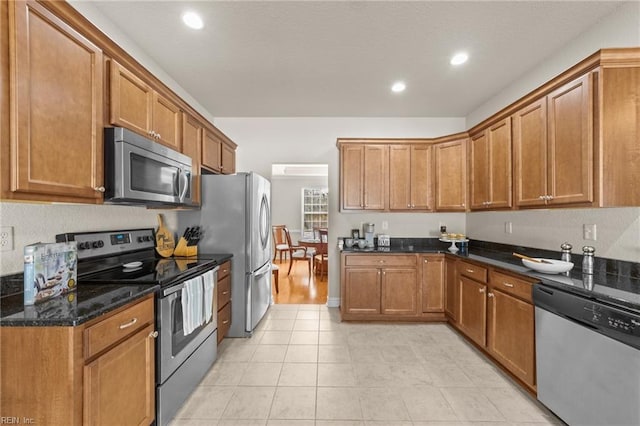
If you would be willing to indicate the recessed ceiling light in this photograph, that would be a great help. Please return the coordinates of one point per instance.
(398, 87)
(192, 20)
(459, 58)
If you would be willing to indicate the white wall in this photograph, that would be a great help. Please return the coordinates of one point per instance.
(286, 200)
(620, 29)
(618, 229)
(264, 141)
(41, 222)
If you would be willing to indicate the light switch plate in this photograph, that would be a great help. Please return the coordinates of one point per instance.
(6, 238)
(589, 232)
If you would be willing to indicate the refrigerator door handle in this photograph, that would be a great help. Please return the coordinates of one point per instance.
(265, 269)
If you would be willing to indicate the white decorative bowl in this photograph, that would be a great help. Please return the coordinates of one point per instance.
(555, 267)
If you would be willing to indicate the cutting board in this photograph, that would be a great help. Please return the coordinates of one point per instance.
(165, 244)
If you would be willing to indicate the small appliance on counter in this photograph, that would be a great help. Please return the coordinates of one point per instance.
(369, 230)
(384, 240)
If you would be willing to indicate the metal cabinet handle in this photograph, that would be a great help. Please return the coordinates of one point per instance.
(153, 334)
(384, 272)
(506, 284)
(100, 188)
(426, 261)
(482, 290)
(490, 294)
(469, 270)
(128, 324)
(158, 136)
(225, 292)
(380, 261)
(378, 272)
(225, 322)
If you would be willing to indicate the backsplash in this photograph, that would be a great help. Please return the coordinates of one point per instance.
(41, 222)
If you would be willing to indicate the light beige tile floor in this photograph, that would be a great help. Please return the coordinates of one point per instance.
(303, 367)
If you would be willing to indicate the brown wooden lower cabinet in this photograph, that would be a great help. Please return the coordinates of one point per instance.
(51, 376)
(472, 318)
(452, 290)
(224, 299)
(392, 287)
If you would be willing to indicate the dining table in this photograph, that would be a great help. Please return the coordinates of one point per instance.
(320, 247)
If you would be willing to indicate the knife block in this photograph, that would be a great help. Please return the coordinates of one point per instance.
(183, 250)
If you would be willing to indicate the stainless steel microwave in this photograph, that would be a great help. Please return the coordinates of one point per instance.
(140, 171)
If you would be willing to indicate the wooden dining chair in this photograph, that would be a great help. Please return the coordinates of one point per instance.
(280, 244)
(298, 253)
(321, 257)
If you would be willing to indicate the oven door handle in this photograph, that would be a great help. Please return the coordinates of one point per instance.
(178, 287)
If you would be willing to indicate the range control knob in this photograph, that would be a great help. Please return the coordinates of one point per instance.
(82, 246)
(96, 244)
(148, 238)
(141, 239)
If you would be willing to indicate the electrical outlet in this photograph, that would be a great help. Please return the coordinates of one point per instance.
(6, 238)
(589, 232)
(385, 225)
(508, 228)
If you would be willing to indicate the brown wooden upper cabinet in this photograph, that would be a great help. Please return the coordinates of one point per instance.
(136, 106)
(57, 97)
(451, 175)
(363, 176)
(553, 147)
(410, 169)
(490, 167)
(192, 131)
(217, 155)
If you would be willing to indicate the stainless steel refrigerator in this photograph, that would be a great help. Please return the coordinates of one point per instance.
(235, 217)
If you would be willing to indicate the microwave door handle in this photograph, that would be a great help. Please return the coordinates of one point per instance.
(182, 176)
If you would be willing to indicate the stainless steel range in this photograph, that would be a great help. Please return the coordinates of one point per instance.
(186, 348)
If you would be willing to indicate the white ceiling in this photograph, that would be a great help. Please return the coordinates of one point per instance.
(339, 58)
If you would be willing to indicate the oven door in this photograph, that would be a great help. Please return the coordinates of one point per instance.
(138, 175)
(173, 346)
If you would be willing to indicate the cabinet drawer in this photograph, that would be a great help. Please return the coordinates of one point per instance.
(224, 270)
(224, 291)
(110, 330)
(380, 260)
(509, 284)
(470, 270)
(224, 321)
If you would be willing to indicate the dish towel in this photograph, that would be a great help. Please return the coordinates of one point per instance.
(192, 305)
(186, 308)
(209, 286)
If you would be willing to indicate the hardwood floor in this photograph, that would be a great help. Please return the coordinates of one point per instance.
(298, 288)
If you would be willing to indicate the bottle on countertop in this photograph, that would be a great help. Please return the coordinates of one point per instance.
(566, 252)
(587, 259)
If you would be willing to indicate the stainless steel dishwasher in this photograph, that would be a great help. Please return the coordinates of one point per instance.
(587, 359)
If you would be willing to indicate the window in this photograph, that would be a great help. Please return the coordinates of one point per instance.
(315, 210)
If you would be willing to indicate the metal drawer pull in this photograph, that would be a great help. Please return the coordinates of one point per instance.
(470, 271)
(482, 290)
(225, 292)
(128, 324)
(426, 261)
(508, 284)
(225, 322)
(380, 261)
(153, 334)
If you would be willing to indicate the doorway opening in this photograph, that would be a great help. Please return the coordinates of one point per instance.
(300, 203)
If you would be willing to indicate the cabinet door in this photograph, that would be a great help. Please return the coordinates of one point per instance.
(421, 177)
(131, 101)
(399, 291)
(228, 156)
(167, 122)
(363, 290)
(432, 284)
(499, 155)
(530, 153)
(351, 177)
(211, 151)
(570, 143)
(451, 176)
(479, 171)
(119, 386)
(452, 295)
(57, 76)
(512, 335)
(473, 310)
(399, 177)
(192, 131)
(376, 161)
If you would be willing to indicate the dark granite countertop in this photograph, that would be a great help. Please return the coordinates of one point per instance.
(613, 281)
(87, 302)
